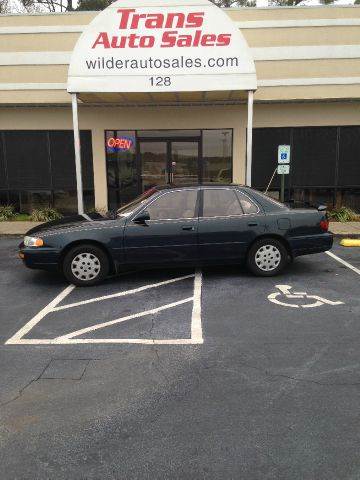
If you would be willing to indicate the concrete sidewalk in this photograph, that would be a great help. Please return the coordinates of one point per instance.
(16, 228)
(341, 229)
(351, 229)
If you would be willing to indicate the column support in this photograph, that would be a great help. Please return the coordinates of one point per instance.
(79, 185)
(250, 108)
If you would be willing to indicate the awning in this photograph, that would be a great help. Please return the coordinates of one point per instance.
(169, 49)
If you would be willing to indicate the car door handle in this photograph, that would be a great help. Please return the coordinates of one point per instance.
(188, 227)
(252, 224)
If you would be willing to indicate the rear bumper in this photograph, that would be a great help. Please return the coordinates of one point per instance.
(40, 258)
(305, 245)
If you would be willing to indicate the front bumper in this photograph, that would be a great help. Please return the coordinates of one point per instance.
(305, 245)
(44, 258)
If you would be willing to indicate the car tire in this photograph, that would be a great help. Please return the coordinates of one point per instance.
(267, 257)
(85, 265)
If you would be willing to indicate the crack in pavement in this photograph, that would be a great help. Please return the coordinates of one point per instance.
(159, 368)
(38, 377)
(21, 391)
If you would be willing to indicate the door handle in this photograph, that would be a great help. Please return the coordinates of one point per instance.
(188, 227)
(252, 224)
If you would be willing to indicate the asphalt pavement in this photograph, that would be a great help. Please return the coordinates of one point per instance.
(181, 374)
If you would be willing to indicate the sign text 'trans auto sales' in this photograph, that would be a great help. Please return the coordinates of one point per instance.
(140, 46)
(169, 23)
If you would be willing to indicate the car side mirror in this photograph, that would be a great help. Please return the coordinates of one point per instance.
(322, 208)
(142, 217)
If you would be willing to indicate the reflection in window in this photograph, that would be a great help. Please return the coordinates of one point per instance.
(173, 205)
(121, 166)
(246, 204)
(217, 156)
(221, 202)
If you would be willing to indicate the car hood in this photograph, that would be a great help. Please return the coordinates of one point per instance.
(76, 222)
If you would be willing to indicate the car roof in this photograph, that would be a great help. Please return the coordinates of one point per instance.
(213, 185)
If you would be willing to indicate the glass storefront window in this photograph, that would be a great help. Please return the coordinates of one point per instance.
(139, 160)
(64, 200)
(40, 170)
(168, 133)
(122, 173)
(217, 156)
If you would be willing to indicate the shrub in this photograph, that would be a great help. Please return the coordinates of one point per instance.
(7, 212)
(343, 214)
(45, 215)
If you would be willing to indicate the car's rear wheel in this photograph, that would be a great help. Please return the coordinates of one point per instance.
(85, 265)
(267, 257)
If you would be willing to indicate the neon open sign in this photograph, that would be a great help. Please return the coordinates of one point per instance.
(120, 143)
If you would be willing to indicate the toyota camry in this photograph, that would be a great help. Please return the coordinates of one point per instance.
(187, 225)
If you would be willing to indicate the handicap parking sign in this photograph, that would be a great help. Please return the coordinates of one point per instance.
(283, 154)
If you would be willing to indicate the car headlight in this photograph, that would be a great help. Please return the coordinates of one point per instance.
(33, 242)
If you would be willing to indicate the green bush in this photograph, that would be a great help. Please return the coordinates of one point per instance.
(45, 215)
(7, 212)
(343, 214)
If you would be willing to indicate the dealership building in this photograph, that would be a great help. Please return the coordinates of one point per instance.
(182, 92)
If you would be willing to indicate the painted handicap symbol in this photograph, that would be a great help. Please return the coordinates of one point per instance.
(285, 291)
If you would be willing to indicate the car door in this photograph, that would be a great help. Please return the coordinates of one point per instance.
(229, 221)
(171, 233)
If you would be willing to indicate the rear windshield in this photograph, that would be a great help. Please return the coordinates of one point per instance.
(271, 199)
(129, 208)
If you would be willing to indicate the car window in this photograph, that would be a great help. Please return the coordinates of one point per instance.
(247, 205)
(173, 205)
(221, 202)
(129, 208)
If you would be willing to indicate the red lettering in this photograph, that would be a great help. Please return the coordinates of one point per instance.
(223, 39)
(124, 19)
(147, 42)
(195, 20)
(118, 42)
(170, 20)
(135, 20)
(197, 38)
(103, 40)
(168, 39)
(154, 21)
(208, 40)
(122, 143)
(132, 40)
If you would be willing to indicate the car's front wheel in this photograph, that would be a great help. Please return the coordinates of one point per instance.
(85, 265)
(267, 257)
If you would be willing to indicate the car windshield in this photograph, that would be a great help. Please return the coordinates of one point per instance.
(129, 208)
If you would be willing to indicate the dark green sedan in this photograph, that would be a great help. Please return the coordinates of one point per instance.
(187, 225)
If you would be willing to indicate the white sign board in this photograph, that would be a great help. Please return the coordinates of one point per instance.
(283, 169)
(152, 46)
(283, 154)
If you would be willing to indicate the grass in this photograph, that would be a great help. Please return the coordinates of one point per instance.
(21, 217)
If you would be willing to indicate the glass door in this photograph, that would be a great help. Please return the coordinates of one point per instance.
(184, 162)
(154, 164)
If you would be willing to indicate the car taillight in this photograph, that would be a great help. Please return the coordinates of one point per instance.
(324, 225)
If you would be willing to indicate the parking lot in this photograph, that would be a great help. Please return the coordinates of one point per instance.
(208, 373)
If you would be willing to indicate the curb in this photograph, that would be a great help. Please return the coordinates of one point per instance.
(350, 242)
(352, 236)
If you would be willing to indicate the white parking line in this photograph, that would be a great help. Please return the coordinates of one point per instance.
(92, 328)
(38, 317)
(121, 294)
(196, 326)
(340, 260)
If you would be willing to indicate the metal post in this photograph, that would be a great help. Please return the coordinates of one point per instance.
(79, 186)
(282, 188)
(250, 108)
